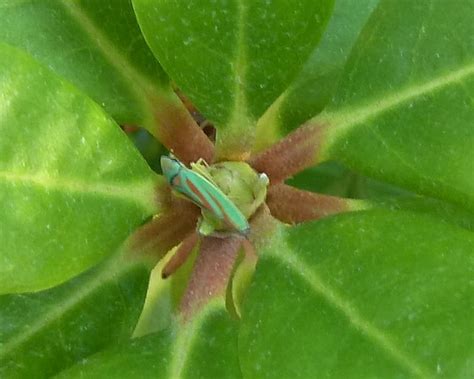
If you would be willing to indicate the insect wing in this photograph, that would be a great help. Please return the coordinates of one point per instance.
(210, 197)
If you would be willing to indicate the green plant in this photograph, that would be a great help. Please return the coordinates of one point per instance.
(382, 287)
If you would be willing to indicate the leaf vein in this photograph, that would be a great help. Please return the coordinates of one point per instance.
(239, 68)
(186, 336)
(134, 192)
(348, 310)
(139, 82)
(57, 311)
(344, 120)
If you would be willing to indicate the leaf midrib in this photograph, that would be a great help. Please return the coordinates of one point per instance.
(187, 336)
(344, 120)
(59, 309)
(239, 108)
(370, 331)
(139, 193)
(140, 84)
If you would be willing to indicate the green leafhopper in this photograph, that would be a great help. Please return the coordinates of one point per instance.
(204, 193)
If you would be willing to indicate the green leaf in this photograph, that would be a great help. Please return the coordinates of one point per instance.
(438, 209)
(404, 110)
(72, 186)
(335, 179)
(381, 294)
(365, 193)
(311, 90)
(97, 45)
(233, 59)
(204, 348)
(329, 178)
(43, 333)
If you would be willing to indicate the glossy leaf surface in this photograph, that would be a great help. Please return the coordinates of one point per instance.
(311, 90)
(335, 179)
(233, 59)
(97, 45)
(384, 291)
(42, 333)
(404, 110)
(381, 294)
(72, 186)
(204, 348)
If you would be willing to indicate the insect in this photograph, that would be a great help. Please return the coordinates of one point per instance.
(204, 193)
